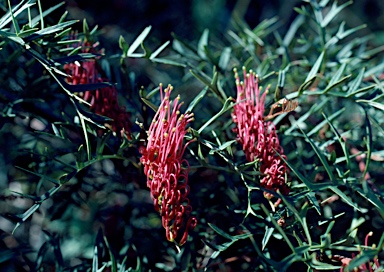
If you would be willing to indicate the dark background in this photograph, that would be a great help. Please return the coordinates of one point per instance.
(188, 18)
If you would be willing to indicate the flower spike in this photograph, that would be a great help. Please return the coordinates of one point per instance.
(166, 170)
(257, 135)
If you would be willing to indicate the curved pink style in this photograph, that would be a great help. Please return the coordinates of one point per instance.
(257, 136)
(165, 168)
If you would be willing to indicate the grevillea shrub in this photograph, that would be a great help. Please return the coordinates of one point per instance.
(277, 169)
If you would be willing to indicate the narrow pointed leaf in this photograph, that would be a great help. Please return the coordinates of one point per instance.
(203, 42)
(197, 99)
(321, 156)
(138, 41)
(356, 82)
(158, 51)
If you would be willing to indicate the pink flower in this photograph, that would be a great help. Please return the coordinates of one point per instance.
(258, 136)
(165, 168)
(103, 101)
(374, 266)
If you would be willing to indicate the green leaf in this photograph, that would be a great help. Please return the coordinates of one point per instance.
(336, 77)
(26, 215)
(64, 16)
(364, 257)
(14, 21)
(281, 231)
(356, 82)
(370, 196)
(312, 75)
(197, 99)
(322, 123)
(341, 141)
(123, 45)
(290, 35)
(139, 40)
(321, 156)
(203, 42)
(169, 62)
(312, 198)
(377, 105)
(267, 235)
(300, 216)
(333, 12)
(344, 197)
(302, 178)
(111, 255)
(254, 36)
(36, 20)
(302, 119)
(220, 232)
(159, 50)
(224, 58)
(14, 12)
(49, 30)
(227, 106)
(361, 90)
(369, 140)
(74, 58)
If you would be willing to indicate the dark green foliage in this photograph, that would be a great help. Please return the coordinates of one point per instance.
(73, 194)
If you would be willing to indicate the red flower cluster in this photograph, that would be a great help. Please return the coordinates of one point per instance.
(258, 136)
(166, 170)
(103, 101)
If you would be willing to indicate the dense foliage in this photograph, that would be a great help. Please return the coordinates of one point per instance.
(273, 163)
